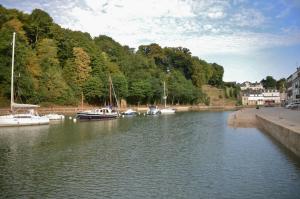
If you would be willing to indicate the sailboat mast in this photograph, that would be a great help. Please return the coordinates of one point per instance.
(12, 73)
(81, 100)
(113, 89)
(110, 98)
(165, 97)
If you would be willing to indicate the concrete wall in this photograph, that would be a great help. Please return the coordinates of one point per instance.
(286, 136)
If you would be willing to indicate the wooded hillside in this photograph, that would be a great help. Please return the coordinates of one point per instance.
(55, 65)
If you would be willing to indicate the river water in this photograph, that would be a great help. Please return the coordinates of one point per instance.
(187, 155)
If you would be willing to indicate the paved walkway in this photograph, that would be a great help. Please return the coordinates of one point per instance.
(243, 118)
(247, 117)
(282, 116)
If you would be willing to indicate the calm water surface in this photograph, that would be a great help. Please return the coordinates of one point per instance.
(187, 155)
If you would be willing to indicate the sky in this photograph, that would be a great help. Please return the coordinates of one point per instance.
(249, 38)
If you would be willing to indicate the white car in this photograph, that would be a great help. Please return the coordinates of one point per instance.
(293, 105)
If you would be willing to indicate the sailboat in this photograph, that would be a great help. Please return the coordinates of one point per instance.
(24, 119)
(153, 110)
(104, 113)
(166, 110)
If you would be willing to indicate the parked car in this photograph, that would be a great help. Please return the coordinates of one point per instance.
(293, 105)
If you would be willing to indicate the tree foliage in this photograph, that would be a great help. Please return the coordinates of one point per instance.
(281, 85)
(57, 65)
(269, 82)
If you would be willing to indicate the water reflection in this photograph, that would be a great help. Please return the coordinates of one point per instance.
(14, 136)
(186, 155)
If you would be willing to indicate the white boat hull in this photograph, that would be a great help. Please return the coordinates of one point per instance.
(153, 111)
(54, 117)
(167, 111)
(130, 112)
(22, 120)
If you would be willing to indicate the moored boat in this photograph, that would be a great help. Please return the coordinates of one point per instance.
(54, 116)
(129, 112)
(167, 110)
(23, 119)
(20, 119)
(98, 114)
(105, 113)
(153, 110)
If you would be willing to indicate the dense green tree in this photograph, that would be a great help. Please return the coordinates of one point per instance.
(155, 52)
(47, 53)
(281, 85)
(269, 82)
(93, 90)
(217, 75)
(57, 65)
(139, 89)
(38, 25)
(23, 80)
(54, 88)
(179, 58)
(120, 85)
(70, 76)
(114, 50)
(201, 72)
(181, 90)
(82, 62)
(77, 70)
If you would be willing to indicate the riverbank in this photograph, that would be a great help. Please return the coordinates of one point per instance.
(73, 110)
(282, 124)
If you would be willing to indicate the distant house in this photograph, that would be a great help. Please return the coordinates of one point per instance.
(261, 97)
(250, 99)
(271, 97)
(293, 87)
(251, 86)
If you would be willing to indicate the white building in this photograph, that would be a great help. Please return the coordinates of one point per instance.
(261, 97)
(293, 87)
(271, 96)
(252, 99)
(251, 86)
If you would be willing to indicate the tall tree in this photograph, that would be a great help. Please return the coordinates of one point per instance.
(54, 87)
(269, 82)
(93, 90)
(47, 53)
(82, 62)
(281, 85)
(201, 72)
(120, 85)
(38, 25)
(217, 75)
(77, 69)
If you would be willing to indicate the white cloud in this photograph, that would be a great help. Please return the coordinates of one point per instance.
(134, 23)
(238, 44)
(233, 33)
(138, 9)
(248, 18)
(204, 26)
(216, 13)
